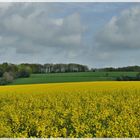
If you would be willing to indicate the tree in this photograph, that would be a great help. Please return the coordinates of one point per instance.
(7, 77)
(1, 71)
(24, 72)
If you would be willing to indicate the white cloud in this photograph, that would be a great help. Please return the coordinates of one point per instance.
(122, 32)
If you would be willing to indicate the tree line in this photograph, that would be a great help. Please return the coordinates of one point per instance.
(119, 69)
(9, 72)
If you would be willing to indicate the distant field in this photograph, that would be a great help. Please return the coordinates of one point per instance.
(72, 77)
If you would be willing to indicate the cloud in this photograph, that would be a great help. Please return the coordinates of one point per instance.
(96, 34)
(121, 33)
(30, 29)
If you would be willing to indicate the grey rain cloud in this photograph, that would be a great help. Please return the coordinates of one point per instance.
(31, 31)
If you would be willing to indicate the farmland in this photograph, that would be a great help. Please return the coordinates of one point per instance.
(72, 77)
(82, 109)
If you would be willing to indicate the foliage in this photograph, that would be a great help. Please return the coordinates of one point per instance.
(88, 109)
(1, 71)
(7, 78)
(9, 72)
(129, 78)
(128, 68)
(23, 71)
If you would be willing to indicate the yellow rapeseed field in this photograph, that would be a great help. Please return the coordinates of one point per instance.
(86, 109)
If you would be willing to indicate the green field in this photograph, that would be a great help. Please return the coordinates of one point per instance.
(72, 77)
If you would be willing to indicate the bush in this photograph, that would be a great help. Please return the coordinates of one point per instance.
(2, 81)
(7, 77)
(23, 72)
(128, 78)
(1, 72)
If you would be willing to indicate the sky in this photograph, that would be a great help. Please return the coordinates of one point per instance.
(93, 34)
